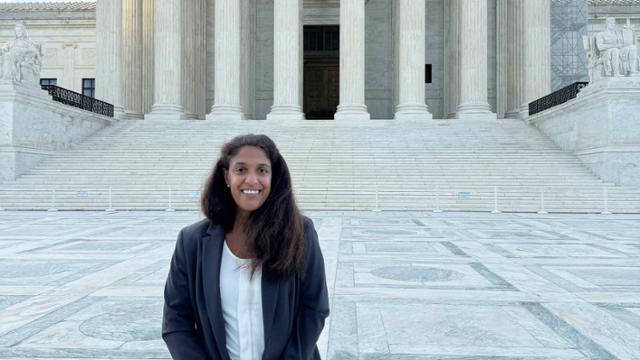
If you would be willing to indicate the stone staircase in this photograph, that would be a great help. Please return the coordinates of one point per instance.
(452, 165)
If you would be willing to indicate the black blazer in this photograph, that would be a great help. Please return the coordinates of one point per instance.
(293, 310)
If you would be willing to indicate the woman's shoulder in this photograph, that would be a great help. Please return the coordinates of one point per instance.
(308, 223)
(197, 231)
(310, 233)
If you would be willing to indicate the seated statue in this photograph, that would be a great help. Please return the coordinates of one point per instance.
(21, 58)
(612, 52)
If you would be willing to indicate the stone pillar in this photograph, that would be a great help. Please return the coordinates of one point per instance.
(210, 56)
(228, 27)
(147, 55)
(528, 73)
(451, 65)
(201, 59)
(352, 45)
(473, 60)
(514, 58)
(248, 10)
(132, 46)
(502, 48)
(410, 47)
(188, 59)
(287, 60)
(108, 54)
(167, 103)
(537, 49)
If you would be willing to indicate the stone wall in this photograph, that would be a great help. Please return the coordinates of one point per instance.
(601, 127)
(33, 127)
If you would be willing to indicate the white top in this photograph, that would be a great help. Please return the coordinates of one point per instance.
(241, 297)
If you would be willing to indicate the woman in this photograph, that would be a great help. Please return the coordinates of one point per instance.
(248, 282)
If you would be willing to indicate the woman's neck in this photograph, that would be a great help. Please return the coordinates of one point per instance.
(237, 238)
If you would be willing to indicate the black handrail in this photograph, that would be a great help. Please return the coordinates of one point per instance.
(78, 100)
(556, 98)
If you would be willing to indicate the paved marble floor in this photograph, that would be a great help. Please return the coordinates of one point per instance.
(404, 285)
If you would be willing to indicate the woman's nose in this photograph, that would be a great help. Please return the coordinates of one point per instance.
(252, 178)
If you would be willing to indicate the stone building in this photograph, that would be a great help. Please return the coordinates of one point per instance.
(295, 59)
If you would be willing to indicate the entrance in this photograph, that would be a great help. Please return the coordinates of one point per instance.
(321, 94)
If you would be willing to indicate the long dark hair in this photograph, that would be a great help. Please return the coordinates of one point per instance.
(275, 231)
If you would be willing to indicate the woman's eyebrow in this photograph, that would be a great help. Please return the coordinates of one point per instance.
(244, 164)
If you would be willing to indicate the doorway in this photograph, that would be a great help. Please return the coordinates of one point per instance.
(321, 93)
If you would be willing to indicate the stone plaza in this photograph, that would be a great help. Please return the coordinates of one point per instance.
(403, 285)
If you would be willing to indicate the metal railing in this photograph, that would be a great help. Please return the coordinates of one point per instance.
(556, 98)
(78, 100)
(559, 198)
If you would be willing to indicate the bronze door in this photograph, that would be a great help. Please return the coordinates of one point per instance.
(321, 88)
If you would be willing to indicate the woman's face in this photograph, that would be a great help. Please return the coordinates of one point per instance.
(249, 178)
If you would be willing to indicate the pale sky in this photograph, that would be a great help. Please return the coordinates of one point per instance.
(40, 1)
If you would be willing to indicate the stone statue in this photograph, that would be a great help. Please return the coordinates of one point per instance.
(21, 58)
(612, 52)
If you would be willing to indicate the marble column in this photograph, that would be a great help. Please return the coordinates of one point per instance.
(201, 58)
(188, 59)
(132, 47)
(528, 73)
(108, 54)
(147, 55)
(537, 48)
(248, 10)
(473, 60)
(167, 103)
(352, 45)
(502, 39)
(210, 56)
(451, 65)
(287, 60)
(228, 28)
(515, 56)
(410, 48)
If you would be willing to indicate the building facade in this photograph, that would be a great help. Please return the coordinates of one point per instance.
(314, 59)
(67, 32)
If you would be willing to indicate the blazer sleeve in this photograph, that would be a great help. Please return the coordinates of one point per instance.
(313, 303)
(178, 323)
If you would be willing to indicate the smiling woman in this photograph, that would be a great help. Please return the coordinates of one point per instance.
(248, 282)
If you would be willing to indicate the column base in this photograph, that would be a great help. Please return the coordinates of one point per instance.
(128, 115)
(517, 113)
(165, 112)
(512, 114)
(226, 112)
(190, 116)
(352, 112)
(285, 112)
(475, 111)
(118, 112)
(524, 111)
(412, 111)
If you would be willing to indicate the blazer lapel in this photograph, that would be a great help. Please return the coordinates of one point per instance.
(270, 287)
(211, 257)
